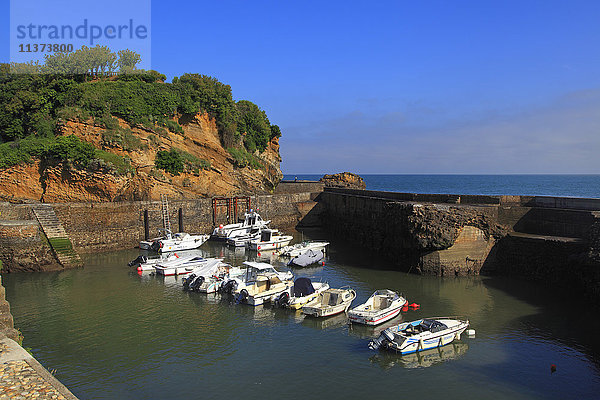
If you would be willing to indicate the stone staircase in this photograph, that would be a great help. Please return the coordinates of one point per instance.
(57, 237)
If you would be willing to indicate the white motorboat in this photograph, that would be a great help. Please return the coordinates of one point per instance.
(252, 221)
(382, 306)
(300, 248)
(422, 334)
(242, 241)
(147, 244)
(145, 263)
(210, 281)
(303, 292)
(252, 270)
(307, 258)
(181, 265)
(270, 239)
(330, 302)
(180, 241)
(265, 288)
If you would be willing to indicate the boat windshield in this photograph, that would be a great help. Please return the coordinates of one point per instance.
(433, 325)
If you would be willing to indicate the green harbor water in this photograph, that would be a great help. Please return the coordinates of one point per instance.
(108, 333)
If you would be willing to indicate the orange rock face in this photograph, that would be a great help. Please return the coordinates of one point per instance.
(63, 183)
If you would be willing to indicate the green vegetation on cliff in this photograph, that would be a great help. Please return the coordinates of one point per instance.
(35, 102)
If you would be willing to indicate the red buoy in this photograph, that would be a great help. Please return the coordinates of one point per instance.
(414, 306)
(552, 368)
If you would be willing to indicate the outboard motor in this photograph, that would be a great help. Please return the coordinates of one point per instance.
(242, 297)
(187, 281)
(228, 287)
(157, 245)
(139, 260)
(283, 300)
(385, 336)
(195, 285)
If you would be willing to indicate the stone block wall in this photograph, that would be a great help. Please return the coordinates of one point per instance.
(6, 318)
(105, 226)
(299, 187)
(23, 247)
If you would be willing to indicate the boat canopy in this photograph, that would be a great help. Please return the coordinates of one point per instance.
(258, 265)
(303, 287)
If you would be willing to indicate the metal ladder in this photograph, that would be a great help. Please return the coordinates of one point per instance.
(165, 212)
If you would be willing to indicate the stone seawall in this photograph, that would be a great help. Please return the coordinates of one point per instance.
(544, 238)
(106, 226)
(438, 239)
(23, 247)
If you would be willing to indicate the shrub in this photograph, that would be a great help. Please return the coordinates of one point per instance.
(123, 138)
(116, 164)
(242, 159)
(170, 161)
(70, 148)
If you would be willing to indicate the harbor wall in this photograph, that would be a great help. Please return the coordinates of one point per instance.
(24, 247)
(105, 226)
(552, 239)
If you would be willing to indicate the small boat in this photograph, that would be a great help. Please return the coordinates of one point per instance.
(303, 292)
(307, 258)
(208, 278)
(265, 288)
(163, 235)
(270, 239)
(252, 220)
(180, 265)
(330, 302)
(382, 306)
(242, 241)
(251, 271)
(210, 282)
(300, 248)
(422, 334)
(180, 241)
(145, 263)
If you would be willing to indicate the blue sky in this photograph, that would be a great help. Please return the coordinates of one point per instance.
(403, 87)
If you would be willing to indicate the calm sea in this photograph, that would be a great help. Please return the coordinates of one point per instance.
(533, 185)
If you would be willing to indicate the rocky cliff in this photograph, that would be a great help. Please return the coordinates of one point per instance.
(40, 181)
(346, 180)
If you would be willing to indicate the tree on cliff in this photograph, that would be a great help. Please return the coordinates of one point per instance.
(128, 60)
(33, 103)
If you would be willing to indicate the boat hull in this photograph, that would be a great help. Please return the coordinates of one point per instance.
(374, 318)
(269, 245)
(173, 271)
(325, 312)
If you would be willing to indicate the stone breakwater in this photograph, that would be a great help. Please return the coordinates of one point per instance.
(543, 238)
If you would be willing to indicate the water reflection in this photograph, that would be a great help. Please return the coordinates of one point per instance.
(370, 332)
(335, 321)
(421, 359)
